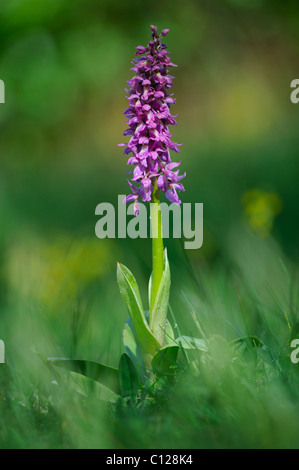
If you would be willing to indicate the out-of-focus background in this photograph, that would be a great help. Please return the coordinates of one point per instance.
(65, 67)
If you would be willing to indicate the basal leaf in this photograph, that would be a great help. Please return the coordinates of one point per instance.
(132, 348)
(187, 342)
(247, 342)
(169, 335)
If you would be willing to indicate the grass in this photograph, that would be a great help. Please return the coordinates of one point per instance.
(229, 397)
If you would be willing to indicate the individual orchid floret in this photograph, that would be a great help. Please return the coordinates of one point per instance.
(148, 117)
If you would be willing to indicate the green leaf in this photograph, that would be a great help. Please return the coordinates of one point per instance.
(132, 348)
(86, 386)
(159, 311)
(247, 342)
(128, 377)
(106, 375)
(165, 360)
(146, 341)
(187, 342)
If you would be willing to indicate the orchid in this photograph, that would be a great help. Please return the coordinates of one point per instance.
(149, 116)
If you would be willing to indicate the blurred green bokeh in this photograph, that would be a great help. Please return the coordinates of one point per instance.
(65, 67)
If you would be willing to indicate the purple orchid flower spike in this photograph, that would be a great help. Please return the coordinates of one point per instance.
(148, 117)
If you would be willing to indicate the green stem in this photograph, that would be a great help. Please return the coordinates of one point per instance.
(157, 244)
